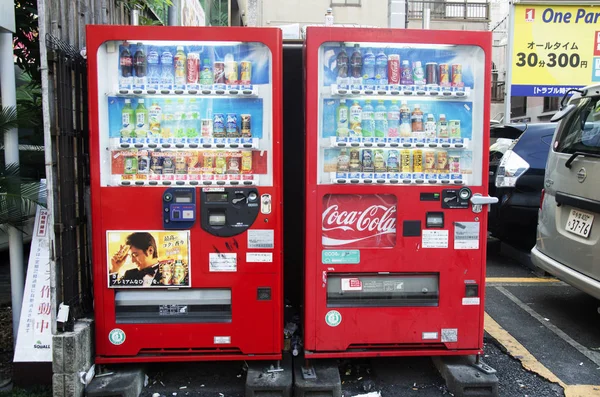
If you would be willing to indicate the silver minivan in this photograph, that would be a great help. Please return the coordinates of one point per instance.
(568, 231)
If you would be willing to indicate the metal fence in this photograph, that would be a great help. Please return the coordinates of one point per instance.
(69, 130)
(449, 10)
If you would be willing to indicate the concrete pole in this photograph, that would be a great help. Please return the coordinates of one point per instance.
(426, 17)
(11, 155)
(509, 53)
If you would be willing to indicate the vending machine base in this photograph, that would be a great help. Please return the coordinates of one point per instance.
(272, 378)
(396, 352)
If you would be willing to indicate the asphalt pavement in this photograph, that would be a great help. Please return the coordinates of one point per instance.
(541, 336)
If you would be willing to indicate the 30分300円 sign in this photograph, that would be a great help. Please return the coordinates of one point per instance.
(555, 48)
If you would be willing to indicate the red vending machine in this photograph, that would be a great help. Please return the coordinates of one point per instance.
(396, 184)
(185, 152)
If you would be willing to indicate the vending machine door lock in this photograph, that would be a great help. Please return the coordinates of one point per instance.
(265, 204)
(179, 208)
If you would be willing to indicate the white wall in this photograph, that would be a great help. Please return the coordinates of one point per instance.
(281, 12)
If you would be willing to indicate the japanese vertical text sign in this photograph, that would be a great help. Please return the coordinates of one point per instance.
(34, 340)
(555, 48)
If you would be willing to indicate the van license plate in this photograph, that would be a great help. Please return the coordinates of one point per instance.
(579, 223)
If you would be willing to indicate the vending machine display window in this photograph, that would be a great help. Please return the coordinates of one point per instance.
(185, 115)
(400, 114)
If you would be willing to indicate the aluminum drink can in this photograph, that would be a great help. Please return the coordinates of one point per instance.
(444, 75)
(418, 160)
(246, 122)
(220, 162)
(392, 161)
(219, 125)
(231, 127)
(208, 161)
(231, 72)
(156, 164)
(394, 69)
(246, 162)
(193, 68)
(454, 127)
(429, 161)
(442, 162)
(131, 166)
(367, 160)
(431, 73)
(233, 162)
(379, 161)
(246, 73)
(219, 70)
(405, 161)
(143, 164)
(454, 164)
(457, 75)
(207, 128)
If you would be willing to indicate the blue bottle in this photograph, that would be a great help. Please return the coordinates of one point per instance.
(167, 75)
(369, 68)
(153, 60)
(381, 68)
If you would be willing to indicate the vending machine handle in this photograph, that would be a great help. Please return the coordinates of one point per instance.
(478, 199)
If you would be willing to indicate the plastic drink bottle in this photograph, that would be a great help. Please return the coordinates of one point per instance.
(206, 75)
(191, 119)
(356, 64)
(342, 67)
(153, 60)
(369, 67)
(405, 120)
(430, 126)
(155, 117)
(141, 120)
(127, 119)
(417, 121)
(367, 120)
(342, 119)
(355, 119)
(393, 119)
(381, 124)
(180, 71)
(167, 76)
(381, 68)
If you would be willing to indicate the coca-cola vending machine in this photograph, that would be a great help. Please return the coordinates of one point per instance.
(396, 191)
(185, 154)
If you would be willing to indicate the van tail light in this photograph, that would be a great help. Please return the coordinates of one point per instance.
(542, 198)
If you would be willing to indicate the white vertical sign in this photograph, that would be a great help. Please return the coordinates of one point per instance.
(34, 340)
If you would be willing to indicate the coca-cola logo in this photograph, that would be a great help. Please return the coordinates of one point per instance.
(394, 73)
(353, 226)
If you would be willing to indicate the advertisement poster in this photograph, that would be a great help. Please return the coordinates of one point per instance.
(148, 259)
(555, 48)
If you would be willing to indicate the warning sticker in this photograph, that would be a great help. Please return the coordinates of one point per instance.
(261, 238)
(259, 257)
(435, 239)
(222, 262)
(351, 284)
(475, 301)
(449, 335)
(466, 235)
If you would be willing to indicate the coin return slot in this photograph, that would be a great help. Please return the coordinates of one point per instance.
(217, 219)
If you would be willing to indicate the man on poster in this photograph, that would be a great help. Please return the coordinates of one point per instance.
(144, 254)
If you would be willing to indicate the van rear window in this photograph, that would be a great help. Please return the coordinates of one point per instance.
(580, 131)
